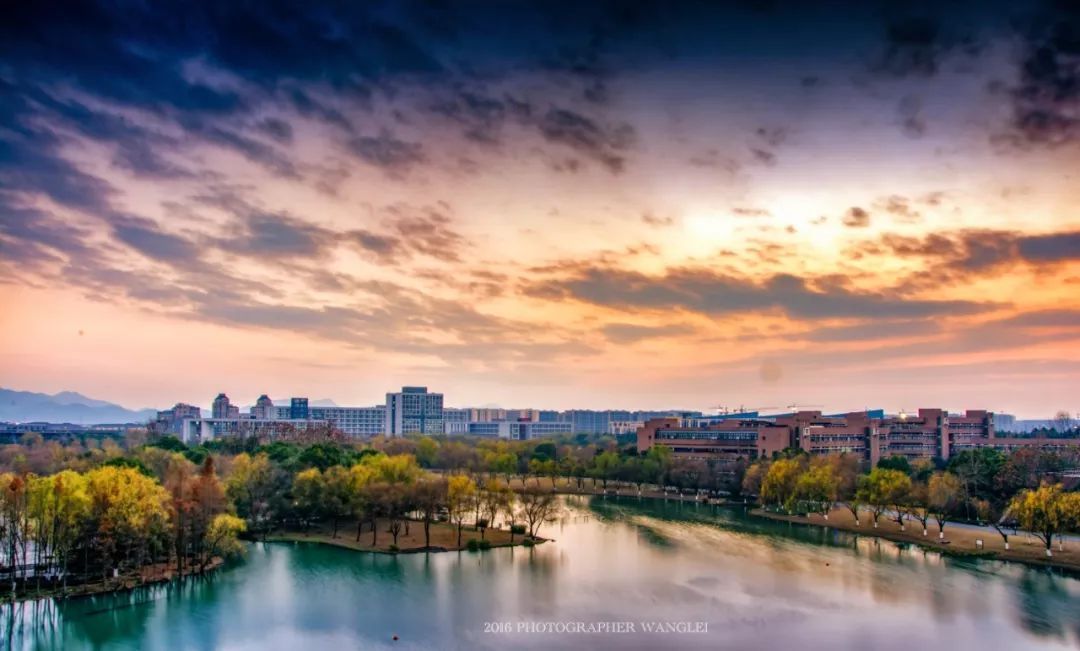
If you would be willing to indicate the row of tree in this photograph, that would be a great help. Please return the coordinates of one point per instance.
(800, 484)
(391, 488)
(112, 521)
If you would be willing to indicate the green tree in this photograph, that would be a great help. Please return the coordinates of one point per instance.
(460, 500)
(883, 488)
(1046, 512)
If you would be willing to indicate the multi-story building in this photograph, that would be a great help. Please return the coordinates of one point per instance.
(455, 421)
(413, 410)
(264, 408)
(220, 406)
(353, 421)
(169, 421)
(871, 435)
(525, 430)
(729, 438)
(298, 409)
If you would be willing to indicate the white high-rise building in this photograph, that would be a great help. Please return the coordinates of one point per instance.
(414, 411)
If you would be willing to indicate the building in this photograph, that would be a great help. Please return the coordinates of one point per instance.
(525, 430)
(413, 410)
(298, 409)
(220, 407)
(871, 435)
(264, 408)
(455, 421)
(353, 421)
(198, 430)
(722, 439)
(169, 421)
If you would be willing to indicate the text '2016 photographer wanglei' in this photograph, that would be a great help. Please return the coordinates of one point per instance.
(593, 628)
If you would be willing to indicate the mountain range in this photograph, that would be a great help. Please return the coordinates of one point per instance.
(65, 407)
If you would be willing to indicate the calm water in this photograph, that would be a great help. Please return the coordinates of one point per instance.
(753, 583)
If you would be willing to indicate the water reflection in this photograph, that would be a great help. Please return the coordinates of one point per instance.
(757, 583)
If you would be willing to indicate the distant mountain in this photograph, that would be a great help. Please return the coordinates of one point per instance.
(65, 407)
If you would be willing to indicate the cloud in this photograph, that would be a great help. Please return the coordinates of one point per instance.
(604, 144)
(1046, 99)
(874, 330)
(145, 237)
(856, 217)
(387, 151)
(654, 220)
(629, 333)
(704, 291)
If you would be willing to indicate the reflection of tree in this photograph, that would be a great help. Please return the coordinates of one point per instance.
(1044, 605)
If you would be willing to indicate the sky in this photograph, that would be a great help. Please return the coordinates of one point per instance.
(549, 204)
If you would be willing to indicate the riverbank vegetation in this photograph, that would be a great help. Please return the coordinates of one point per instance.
(117, 512)
(1009, 493)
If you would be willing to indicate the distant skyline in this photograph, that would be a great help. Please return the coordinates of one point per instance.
(588, 205)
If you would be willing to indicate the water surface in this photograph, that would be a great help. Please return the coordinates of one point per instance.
(751, 583)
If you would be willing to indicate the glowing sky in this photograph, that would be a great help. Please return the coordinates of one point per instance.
(553, 204)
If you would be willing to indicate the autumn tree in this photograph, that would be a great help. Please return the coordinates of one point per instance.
(778, 486)
(430, 496)
(943, 497)
(1046, 512)
(460, 497)
(883, 488)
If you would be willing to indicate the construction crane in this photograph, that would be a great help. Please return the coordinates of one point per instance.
(795, 407)
(724, 410)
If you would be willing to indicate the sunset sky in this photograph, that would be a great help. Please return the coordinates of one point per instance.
(587, 204)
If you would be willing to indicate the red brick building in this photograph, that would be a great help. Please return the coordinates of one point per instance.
(931, 433)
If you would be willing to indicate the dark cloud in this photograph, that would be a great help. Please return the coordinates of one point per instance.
(909, 114)
(1046, 101)
(701, 290)
(955, 257)
(900, 208)
(874, 330)
(750, 212)
(145, 237)
(629, 333)
(913, 46)
(276, 128)
(602, 143)
(387, 151)
(275, 235)
(856, 217)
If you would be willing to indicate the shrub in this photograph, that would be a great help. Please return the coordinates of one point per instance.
(517, 529)
(485, 545)
(393, 548)
(528, 542)
(473, 545)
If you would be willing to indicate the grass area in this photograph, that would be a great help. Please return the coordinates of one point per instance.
(444, 537)
(958, 541)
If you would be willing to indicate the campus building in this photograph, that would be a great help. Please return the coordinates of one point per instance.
(413, 410)
(871, 435)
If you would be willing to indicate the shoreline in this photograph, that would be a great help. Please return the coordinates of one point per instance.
(958, 542)
(127, 583)
(443, 539)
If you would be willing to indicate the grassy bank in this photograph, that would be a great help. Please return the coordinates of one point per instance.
(958, 541)
(444, 537)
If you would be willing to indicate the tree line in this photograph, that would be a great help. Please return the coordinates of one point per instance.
(1006, 491)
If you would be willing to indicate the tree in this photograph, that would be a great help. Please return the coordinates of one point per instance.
(222, 538)
(846, 470)
(754, 477)
(430, 497)
(896, 462)
(460, 496)
(604, 467)
(537, 507)
(337, 499)
(493, 502)
(883, 488)
(307, 494)
(943, 497)
(817, 487)
(255, 487)
(779, 484)
(1046, 512)
(997, 514)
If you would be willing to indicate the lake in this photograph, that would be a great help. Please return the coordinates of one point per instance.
(708, 577)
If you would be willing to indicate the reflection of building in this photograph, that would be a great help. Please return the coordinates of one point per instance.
(413, 411)
(871, 435)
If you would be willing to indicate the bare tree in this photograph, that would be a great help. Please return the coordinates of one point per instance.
(537, 507)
